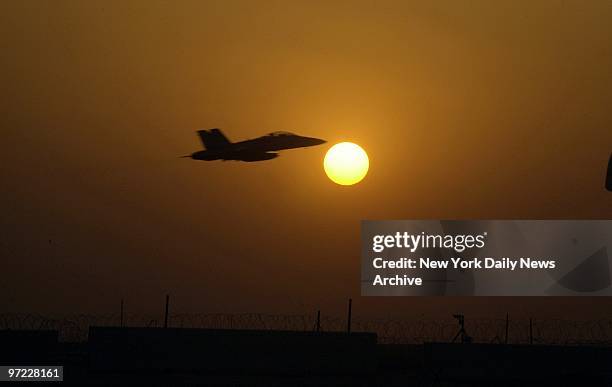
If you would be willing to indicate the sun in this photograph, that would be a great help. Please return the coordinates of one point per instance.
(346, 163)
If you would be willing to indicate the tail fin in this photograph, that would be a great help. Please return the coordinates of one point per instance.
(213, 139)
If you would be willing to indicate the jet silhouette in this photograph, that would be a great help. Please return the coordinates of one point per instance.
(218, 147)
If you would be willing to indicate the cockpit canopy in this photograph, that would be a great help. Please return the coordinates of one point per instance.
(281, 133)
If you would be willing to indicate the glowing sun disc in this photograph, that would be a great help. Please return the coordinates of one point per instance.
(346, 163)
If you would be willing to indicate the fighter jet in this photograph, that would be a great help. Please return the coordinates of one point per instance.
(218, 147)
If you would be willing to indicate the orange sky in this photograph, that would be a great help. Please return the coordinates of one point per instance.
(482, 110)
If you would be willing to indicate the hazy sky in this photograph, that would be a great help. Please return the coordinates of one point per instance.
(467, 109)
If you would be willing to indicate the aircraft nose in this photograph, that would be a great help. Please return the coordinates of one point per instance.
(318, 141)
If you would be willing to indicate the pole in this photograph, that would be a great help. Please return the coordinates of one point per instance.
(350, 307)
(506, 328)
(121, 315)
(166, 317)
(530, 331)
(318, 321)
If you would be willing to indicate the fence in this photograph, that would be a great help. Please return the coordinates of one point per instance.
(543, 331)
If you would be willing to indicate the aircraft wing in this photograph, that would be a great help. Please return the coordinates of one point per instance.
(249, 155)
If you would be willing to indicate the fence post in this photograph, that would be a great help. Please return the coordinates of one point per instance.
(166, 316)
(350, 305)
(506, 328)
